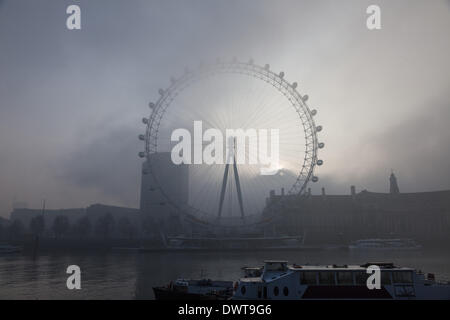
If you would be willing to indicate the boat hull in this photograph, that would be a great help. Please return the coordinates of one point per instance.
(163, 293)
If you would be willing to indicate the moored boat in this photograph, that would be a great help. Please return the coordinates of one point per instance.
(280, 281)
(189, 289)
(385, 244)
(9, 249)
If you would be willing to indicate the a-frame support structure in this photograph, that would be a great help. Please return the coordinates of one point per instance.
(232, 153)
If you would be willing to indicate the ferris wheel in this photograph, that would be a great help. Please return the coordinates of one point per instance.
(234, 95)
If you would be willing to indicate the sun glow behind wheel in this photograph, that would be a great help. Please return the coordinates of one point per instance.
(236, 96)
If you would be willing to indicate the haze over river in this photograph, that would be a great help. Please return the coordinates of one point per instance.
(130, 275)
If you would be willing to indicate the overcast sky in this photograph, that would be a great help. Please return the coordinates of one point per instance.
(71, 102)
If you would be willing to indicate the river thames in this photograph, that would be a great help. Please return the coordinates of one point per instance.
(131, 275)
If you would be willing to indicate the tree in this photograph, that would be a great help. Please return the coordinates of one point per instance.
(104, 225)
(37, 226)
(148, 225)
(126, 228)
(83, 227)
(61, 226)
(16, 229)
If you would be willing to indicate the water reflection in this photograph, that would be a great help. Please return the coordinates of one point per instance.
(132, 275)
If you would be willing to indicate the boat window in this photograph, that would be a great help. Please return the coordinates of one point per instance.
(361, 277)
(402, 276)
(243, 289)
(385, 277)
(276, 291)
(276, 266)
(286, 291)
(308, 277)
(326, 277)
(345, 277)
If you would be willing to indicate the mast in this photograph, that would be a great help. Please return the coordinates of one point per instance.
(36, 239)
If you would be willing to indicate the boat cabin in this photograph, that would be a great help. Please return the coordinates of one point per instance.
(282, 281)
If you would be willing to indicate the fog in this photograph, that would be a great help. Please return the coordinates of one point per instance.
(71, 102)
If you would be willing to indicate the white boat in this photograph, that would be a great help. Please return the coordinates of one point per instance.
(191, 289)
(385, 244)
(9, 249)
(234, 243)
(280, 281)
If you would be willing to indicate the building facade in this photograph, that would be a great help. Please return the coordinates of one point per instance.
(424, 216)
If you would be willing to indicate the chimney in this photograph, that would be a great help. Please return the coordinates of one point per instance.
(324, 196)
(393, 184)
(282, 191)
(353, 191)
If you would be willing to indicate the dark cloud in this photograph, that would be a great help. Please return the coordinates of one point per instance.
(416, 149)
(108, 163)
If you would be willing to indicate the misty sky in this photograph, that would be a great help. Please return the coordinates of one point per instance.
(71, 102)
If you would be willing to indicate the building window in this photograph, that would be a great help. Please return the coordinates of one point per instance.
(286, 291)
(345, 277)
(326, 278)
(243, 290)
(308, 277)
(276, 291)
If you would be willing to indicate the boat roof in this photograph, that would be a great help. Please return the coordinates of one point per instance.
(384, 240)
(254, 279)
(363, 267)
(343, 268)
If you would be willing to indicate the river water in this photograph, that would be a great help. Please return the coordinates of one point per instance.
(131, 275)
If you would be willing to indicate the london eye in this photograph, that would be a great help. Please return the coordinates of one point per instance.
(235, 95)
